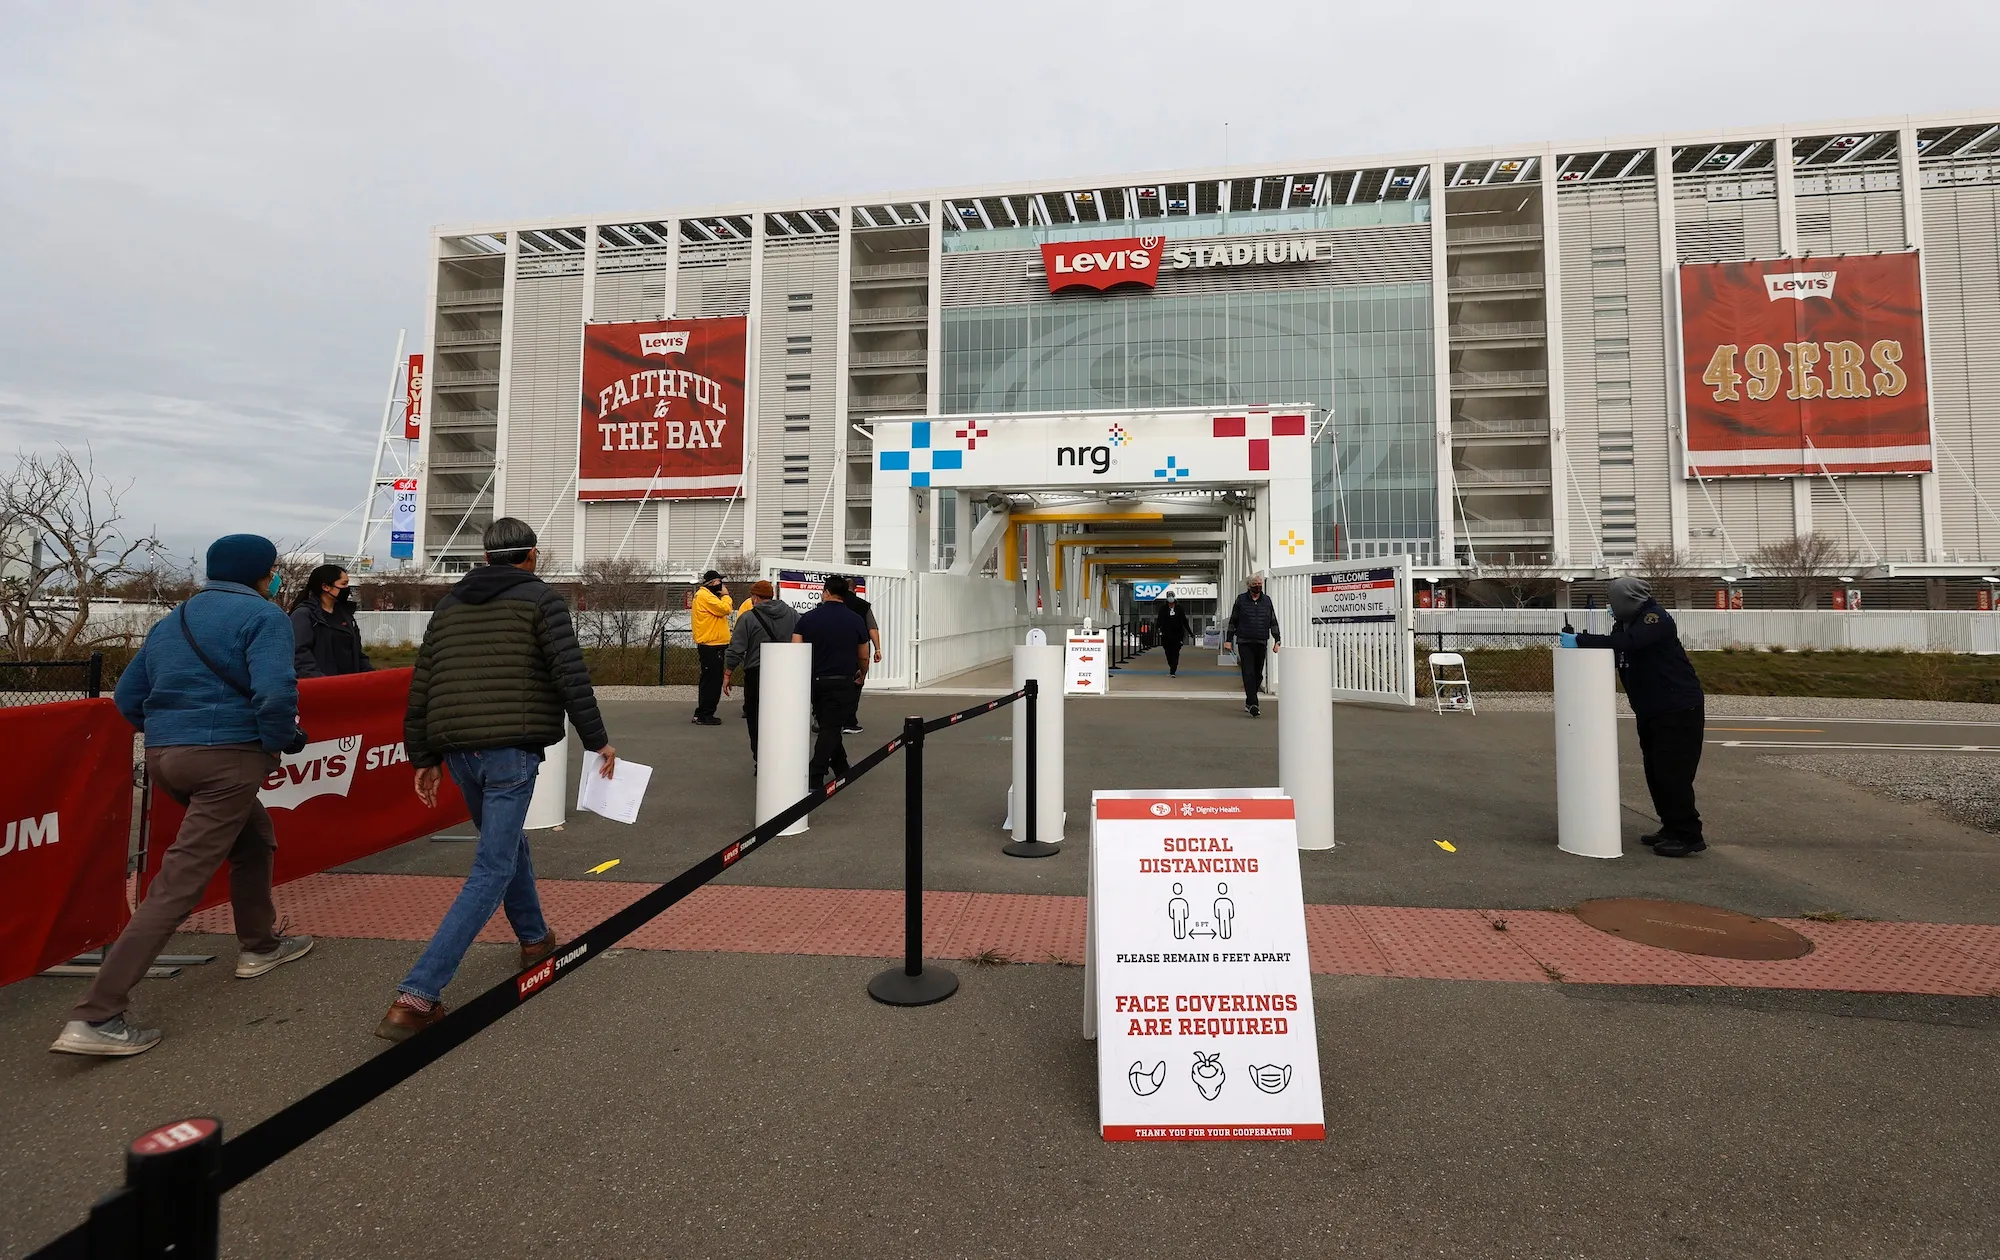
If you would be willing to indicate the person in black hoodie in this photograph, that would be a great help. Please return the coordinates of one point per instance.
(326, 642)
(1173, 628)
(498, 670)
(1667, 699)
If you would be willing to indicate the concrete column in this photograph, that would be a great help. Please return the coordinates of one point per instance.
(1586, 753)
(549, 806)
(784, 729)
(1305, 741)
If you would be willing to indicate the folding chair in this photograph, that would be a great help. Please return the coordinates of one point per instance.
(1451, 691)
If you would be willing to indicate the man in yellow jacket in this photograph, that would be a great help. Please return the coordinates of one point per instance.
(710, 621)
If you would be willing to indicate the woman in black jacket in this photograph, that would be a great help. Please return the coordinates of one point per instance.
(325, 639)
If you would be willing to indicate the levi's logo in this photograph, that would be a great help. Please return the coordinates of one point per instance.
(730, 854)
(1801, 285)
(322, 769)
(663, 343)
(541, 975)
(1101, 264)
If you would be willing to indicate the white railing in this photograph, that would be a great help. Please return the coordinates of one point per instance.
(1477, 380)
(1503, 280)
(1520, 526)
(1372, 661)
(888, 358)
(893, 597)
(1500, 476)
(1510, 328)
(1511, 232)
(1466, 427)
(964, 621)
(1709, 629)
(471, 297)
(888, 314)
(893, 271)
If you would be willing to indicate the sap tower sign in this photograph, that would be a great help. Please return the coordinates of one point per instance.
(1265, 449)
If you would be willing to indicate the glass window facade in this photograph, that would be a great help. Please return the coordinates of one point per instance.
(1364, 351)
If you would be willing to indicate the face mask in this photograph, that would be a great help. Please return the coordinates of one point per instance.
(277, 580)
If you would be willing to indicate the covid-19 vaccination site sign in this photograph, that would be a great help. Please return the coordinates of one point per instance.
(1354, 597)
(1199, 989)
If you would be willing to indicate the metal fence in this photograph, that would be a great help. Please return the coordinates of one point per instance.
(1495, 660)
(46, 682)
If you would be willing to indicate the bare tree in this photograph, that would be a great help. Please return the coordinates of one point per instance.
(620, 603)
(60, 548)
(161, 580)
(1515, 586)
(1809, 562)
(1668, 567)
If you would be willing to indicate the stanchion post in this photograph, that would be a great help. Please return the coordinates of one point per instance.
(913, 984)
(1031, 844)
(663, 656)
(171, 1205)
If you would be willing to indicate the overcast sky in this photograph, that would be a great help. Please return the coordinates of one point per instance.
(214, 217)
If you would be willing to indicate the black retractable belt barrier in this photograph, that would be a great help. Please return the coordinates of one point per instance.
(177, 1174)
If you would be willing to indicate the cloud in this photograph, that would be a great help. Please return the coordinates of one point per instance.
(215, 217)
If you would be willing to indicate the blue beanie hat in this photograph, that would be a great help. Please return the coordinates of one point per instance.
(243, 558)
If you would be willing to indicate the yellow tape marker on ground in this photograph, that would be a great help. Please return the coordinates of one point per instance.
(602, 867)
(1446, 845)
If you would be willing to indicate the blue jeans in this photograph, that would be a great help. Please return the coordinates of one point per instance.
(497, 784)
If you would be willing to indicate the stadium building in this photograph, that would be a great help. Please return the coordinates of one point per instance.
(1523, 356)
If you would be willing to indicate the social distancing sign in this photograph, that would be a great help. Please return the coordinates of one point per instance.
(1199, 986)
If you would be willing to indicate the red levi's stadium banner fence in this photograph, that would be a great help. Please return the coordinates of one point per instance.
(1797, 367)
(349, 793)
(66, 789)
(662, 414)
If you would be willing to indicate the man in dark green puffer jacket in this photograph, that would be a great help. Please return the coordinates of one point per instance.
(498, 669)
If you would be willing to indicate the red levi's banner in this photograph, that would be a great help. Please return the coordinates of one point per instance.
(349, 793)
(1101, 264)
(663, 409)
(413, 399)
(66, 791)
(1802, 366)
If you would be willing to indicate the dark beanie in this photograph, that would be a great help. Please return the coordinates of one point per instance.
(243, 558)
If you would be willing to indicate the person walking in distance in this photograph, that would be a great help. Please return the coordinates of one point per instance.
(1252, 627)
(214, 692)
(866, 612)
(326, 640)
(498, 669)
(839, 642)
(709, 618)
(765, 619)
(1173, 629)
(1667, 699)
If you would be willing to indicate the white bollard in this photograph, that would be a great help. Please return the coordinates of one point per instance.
(1586, 753)
(1045, 664)
(549, 805)
(784, 728)
(1305, 741)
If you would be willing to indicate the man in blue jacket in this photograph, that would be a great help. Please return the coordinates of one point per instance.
(1667, 699)
(214, 691)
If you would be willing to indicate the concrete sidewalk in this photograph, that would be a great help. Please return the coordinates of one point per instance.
(737, 1105)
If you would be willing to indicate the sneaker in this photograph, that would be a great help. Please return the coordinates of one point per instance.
(1252, 710)
(405, 1021)
(1679, 846)
(855, 729)
(249, 966)
(114, 1037)
(533, 952)
(1650, 840)
(708, 721)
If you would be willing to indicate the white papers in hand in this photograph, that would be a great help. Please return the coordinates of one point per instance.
(617, 797)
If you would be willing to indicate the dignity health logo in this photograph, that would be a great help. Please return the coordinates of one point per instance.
(663, 343)
(1801, 285)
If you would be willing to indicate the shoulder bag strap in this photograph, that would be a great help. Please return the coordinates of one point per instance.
(180, 615)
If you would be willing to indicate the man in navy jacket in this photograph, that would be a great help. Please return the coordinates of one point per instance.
(1667, 699)
(214, 730)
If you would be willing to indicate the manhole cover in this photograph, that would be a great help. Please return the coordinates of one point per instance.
(1693, 929)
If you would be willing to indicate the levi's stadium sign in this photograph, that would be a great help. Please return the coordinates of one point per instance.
(1138, 259)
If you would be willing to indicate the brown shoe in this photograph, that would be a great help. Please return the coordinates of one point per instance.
(534, 951)
(404, 1022)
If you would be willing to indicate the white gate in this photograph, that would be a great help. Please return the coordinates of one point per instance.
(1361, 609)
(893, 596)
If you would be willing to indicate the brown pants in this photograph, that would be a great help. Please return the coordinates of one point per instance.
(218, 785)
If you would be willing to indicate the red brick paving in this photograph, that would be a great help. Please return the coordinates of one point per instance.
(1536, 946)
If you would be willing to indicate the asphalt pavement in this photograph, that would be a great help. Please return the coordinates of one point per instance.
(733, 1105)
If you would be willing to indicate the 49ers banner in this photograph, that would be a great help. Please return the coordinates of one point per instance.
(66, 789)
(349, 793)
(663, 409)
(1795, 367)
